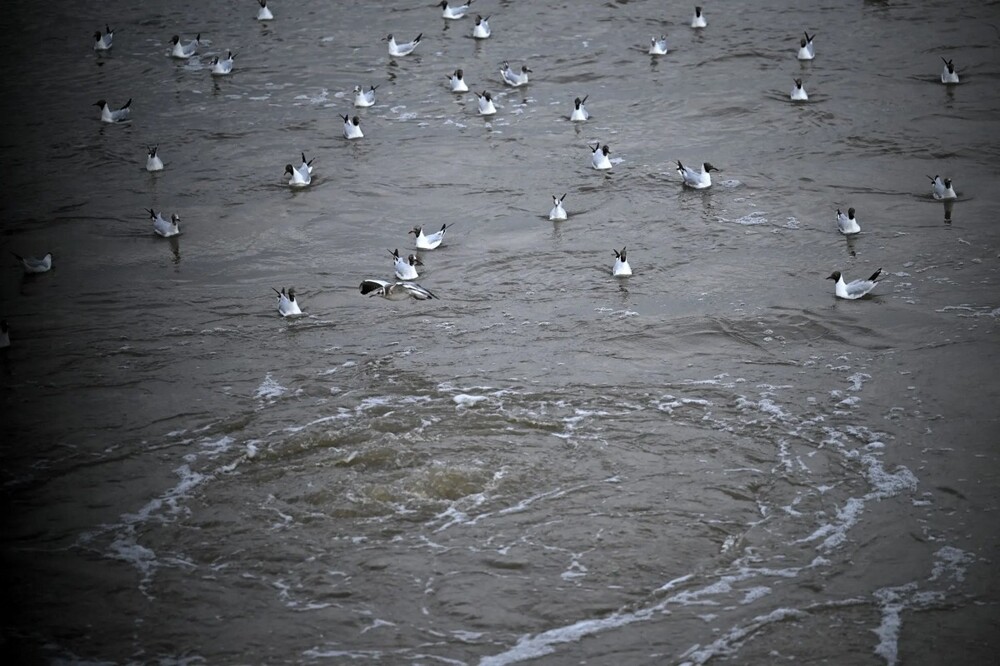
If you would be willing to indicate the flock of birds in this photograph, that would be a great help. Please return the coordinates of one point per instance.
(405, 267)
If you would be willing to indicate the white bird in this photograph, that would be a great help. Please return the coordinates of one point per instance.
(848, 224)
(103, 42)
(482, 28)
(352, 128)
(34, 264)
(430, 242)
(287, 305)
(658, 46)
(853, 290)
(698, 20)
(557, 212)
(306, 165)
(184, 51)
(512, 78)
(405, 267)
(395, 291)
(299, 177)
(404, 49)
(222, 66)
(600, 157)
(458, 82)
(454, 12)
(486, 107)
(264, 14)
(116, 116)
(799, 93)
(942, 189)
(162, 227)
(621, 268)
(4, 334)
(580, 112)
(806, 49)
(948, 74)
(362, 97)
(153, 161)
(698, 180)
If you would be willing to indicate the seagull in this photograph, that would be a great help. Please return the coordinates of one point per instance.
(621, 269)
(457, 82)
(4, 334)
(428, 242)
(600, 157)
(658, 46)
(153, 161)
(34, 264)
(400, 50)
(454, 12)
(184, 51)
(942, 189)
(406, 267)
(579, 111)
(264, 14)
(162, 227)
(948, 74)
(300, 177)
(806, 49)
(116, 116)
(512, 78)
(699, 180)
(395, 291)
(306, 165)
(482, 28)
(557, 212)
(287, 305)
(848, 224)
(364, 98)
(698, 20)
(103, 42)
(222, 67)
(853, 290)
(486, 107)
(799, 93)
(352, 128)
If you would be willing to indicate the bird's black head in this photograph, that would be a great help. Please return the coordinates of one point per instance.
(175, 39)
(834, 276)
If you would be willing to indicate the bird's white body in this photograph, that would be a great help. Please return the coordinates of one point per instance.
(184, 51)
(948, 74)
(853, 290)
(352, 128)
(512, 78)
(453, 12)
(621, 267)
(300, 176)
(798, 92)
(600, 159)
(457, 82)
(431, 242)
(486, 107)
(114, 116)
(153, 161)
(395, 291)
(698, 20)
(399, 50)
(482, 28)
(163, 227)
(806, 49)
(557, 212)
(34, 264)
(658, 46)
(406, 267)
(287, 305)
(942, 189)
(698, 180)
(104, 42)
(580, 112)
(222, 66)
(264, 14)
(847, 224)
(364, 98)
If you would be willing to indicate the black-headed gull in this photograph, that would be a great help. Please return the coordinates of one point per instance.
(184, 51)
(600, 159)
(621, 267)
(847, 223)
(264, 14)
(163, 227)
(658, 46)
(35, 264)
(942, 189)
(948, 74)
(222, 66)
(399, 50)
(109, 115)
(580, 112)
(482, 28)
(512, 78)
(798, 93)
(364, 98)
(855, 289)
(557, 212)
(486, 107)
(806, 49)
(698, 180)
(287, 305)
(103, 42)
(395, 291)
(698, 20)
(457, 81)
(153, 161)
(405, 267)
(352, 127)
(431, 242)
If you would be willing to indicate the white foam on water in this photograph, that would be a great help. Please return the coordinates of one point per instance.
(464, 400)
(951, 562)
(729, 642)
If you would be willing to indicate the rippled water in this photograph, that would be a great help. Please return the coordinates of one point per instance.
(713, 460)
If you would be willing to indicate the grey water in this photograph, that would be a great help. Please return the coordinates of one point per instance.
(713, 461)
